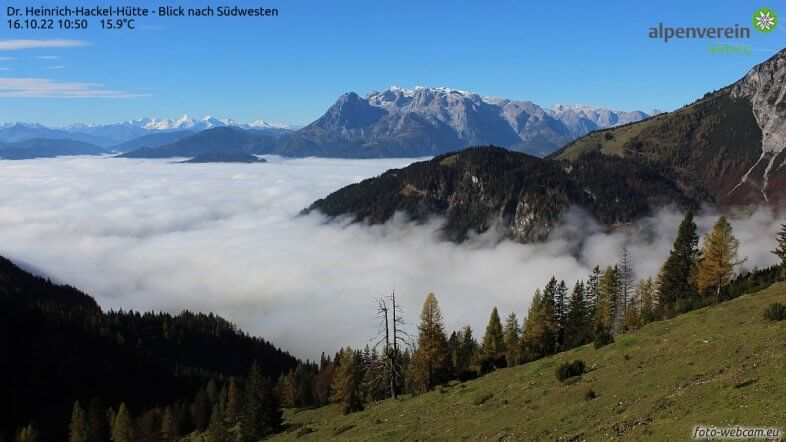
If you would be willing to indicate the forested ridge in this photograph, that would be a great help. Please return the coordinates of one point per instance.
(480, 186)
(61, 347)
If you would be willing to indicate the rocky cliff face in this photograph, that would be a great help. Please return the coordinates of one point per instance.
(765, 87)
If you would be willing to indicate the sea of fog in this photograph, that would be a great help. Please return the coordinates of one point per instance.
(227, 238)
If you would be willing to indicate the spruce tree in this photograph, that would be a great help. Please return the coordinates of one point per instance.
(261, 411)
(233, 401)
(677, 291)
(123, 425)
(560, 310)
(550, 293)
(780, 251)
(578, 322)
(465, 349)
(431, 357)
(512, 333)
(304, 379)
(78, 429)
(592, 292)
(719, 256)
(493, 347)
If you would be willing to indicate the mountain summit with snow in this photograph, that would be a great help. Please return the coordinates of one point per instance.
(433, 120)
(127, 130)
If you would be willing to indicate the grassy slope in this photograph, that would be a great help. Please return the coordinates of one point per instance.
(676, 374)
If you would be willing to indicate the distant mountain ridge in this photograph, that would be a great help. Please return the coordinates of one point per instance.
(113, 134)
(394, 123)
(429, 121)
(219, 140)
(48, 148)
(152, 140)
(183, 123)
(18, 131)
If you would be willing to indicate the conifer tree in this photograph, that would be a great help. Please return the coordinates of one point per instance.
(550, 293)
(232, 408)
(211, 390)
(677, 291)
(304, 378)
(123, 425)
(512, 333)
(463, 353)
(719, 256)
(560, 310)
(592, 292)
(431, 357)
(261, 413)
(605, 309)
(287, 389)
(28, 434)
(217, 430)
(78, 429)
(347, 383)
(540, 328)
(493, 347)
(97, 421)
(578, 322)
(323, 382)
(222, 400)
(201, 409)
(780, 251)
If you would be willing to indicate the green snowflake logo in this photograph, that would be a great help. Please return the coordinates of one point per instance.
(765, 20)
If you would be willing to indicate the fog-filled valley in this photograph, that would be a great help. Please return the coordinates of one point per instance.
(228, 238)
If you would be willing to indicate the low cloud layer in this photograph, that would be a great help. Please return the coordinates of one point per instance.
(155, 235)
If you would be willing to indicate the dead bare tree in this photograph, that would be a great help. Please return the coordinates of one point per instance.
(626, 288)
(391, 336)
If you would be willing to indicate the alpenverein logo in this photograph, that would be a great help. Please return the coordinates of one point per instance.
(765, 20)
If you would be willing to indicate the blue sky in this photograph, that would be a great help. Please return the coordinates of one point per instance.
(292, 68)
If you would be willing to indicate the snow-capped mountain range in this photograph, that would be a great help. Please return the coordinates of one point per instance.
(431, 120)
(184, 123)
(127, 130)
